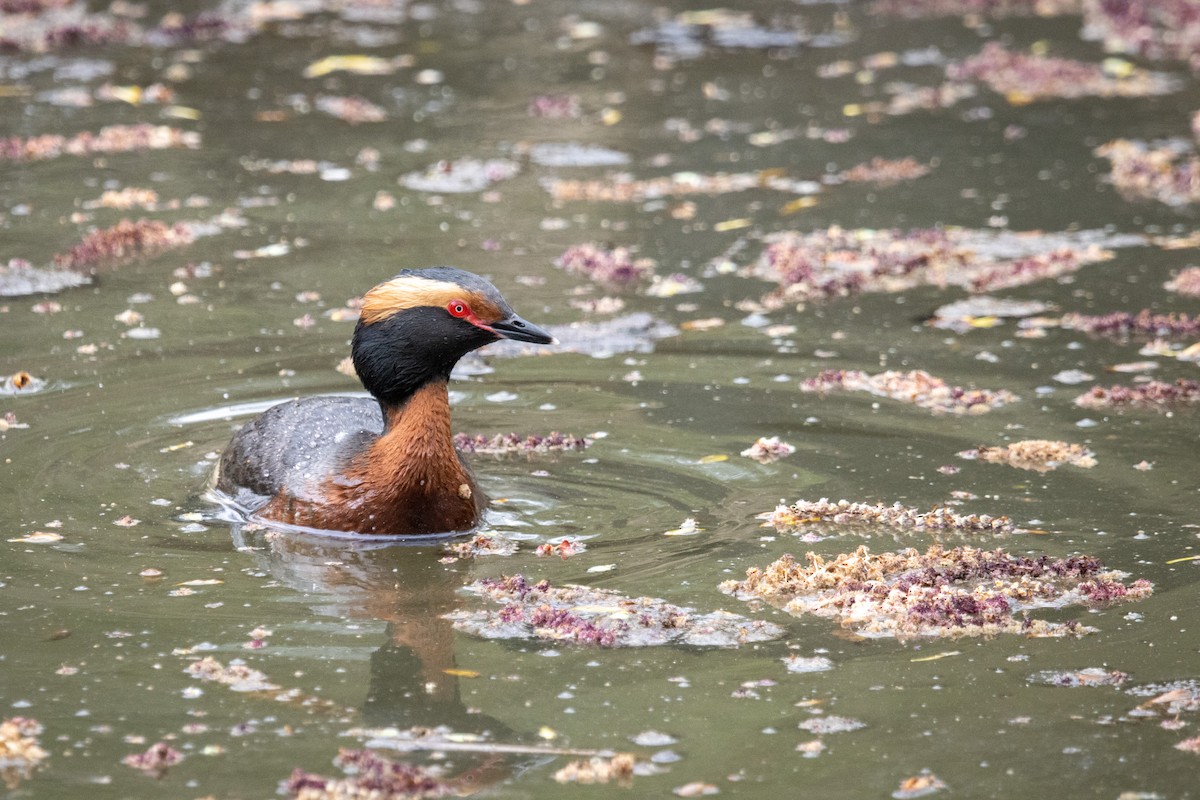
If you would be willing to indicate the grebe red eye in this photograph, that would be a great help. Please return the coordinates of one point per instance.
(458, 308)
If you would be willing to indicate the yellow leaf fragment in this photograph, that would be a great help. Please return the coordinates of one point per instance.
(1172, 561)
(732, 225)
(713, 459)
(181, 112)
(359, 65)
(984, 322)
(799, 204)
(172, 448)
(1117, 67)
(461, 673)
(937, 656)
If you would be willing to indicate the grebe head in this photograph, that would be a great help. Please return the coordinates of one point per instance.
(415, 327)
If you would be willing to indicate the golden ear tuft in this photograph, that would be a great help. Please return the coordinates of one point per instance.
(404, 292)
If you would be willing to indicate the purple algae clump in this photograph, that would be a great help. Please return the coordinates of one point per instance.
(837, 262)
(1157, 29)
(122, 243)
(915, 386)
(1156, 395)
(156, 760)
(1123, 323)
(369, 775)
(616, 267)
(1025, 77)
(963, 591)
(110, 139)
(843, 512)
(599, 617)
(1168, 171)
(925, 9)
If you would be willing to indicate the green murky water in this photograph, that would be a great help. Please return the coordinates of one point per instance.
(130, 427)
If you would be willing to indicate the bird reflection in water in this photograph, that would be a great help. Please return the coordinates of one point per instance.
(402, 583)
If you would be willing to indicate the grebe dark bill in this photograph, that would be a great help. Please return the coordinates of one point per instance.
(388, 465)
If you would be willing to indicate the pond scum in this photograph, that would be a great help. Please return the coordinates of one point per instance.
(838, 262)
(963, 591)
(1039, 455)
(916, 387)
(843, 512)
(1155, 395)
(369, 775)
(583, 615)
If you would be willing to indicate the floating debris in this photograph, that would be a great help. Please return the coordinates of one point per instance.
(1039, 455)
(357, 65)
(836, 262)
(20, 751)
(802, 664)
(110, 139)
(555, 106)
(584, 615)
(885, 172)
(1091, 676)
(1161, 347)
(38, 537)
(237, 676)
(941, 593)
(1125, 324)
(843, 512)
(676, 284)
(123, 243)
(689, 527)
(616, 267)
(372, 776)
(1025, 78)
(461, 175)
(513, 443)
(599, 305)
(915, 386)
(553, 154)
(690, 34)
(1186, 283)
(1170, 699)
(619, 768)
(919, 786)
(1167, 171)
(983, 311)
(831, 724)
(155, 761)
(767, 449)
(1191, 745)
(1156, 395)
(623, 188)
(352, 109)
(1157, 30)
(927, 9)
(482, 545)
(563, 548)
(39, 26)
